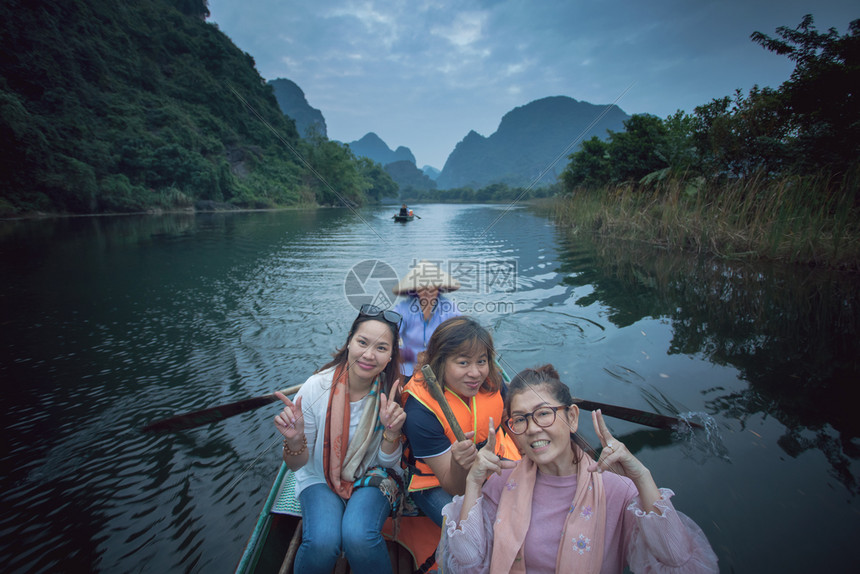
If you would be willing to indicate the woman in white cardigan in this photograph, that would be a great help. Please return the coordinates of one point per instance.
(342, 439)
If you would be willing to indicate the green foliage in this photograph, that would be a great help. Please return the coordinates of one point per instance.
(589, 167)
(821, 99)
(199, 8)
(408, 177)
(117, 194)
(336, 177)
(633, 152)
(381, 183)
(810, 125)
(678, 149)
(811, 219)
(743, 135)
(493, 193)
(117, 107)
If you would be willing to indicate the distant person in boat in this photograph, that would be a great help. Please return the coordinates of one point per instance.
(423, 310)
(342, 439)
(462, 356)
(403, 210)
(556, 509)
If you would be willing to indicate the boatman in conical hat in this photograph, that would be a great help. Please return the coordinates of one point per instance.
(423, 309)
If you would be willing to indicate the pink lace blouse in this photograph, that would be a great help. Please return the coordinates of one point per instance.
(668, 542)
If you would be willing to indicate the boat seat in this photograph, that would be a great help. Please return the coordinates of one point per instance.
(286, 501)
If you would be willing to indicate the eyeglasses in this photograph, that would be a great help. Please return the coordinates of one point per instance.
(392, 317)
(543, 417)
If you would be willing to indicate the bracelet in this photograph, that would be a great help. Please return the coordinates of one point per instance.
(394, 440)
(290, 452)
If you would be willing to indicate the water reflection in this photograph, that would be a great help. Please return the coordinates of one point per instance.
(791, 332)
(111, 323)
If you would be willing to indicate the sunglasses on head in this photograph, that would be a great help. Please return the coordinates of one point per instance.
(392, 317)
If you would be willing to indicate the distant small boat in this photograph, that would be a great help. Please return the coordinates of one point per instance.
(403, 218)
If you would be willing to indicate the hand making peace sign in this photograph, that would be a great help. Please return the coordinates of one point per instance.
(391, 414)
(614, 456)
(487, 462)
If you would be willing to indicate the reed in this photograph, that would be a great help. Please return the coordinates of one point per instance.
(811, 219)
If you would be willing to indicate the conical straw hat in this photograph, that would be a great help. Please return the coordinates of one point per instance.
(425, 274)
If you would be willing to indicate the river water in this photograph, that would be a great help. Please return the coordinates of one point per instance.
(109, 323)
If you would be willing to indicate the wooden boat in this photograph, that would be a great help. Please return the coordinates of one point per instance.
(272, 546)
(403, 218)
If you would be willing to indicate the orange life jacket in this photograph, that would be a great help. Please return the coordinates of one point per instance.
(474, 415)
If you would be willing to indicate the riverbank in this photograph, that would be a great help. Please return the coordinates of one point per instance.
(199, 207)
(811, 221)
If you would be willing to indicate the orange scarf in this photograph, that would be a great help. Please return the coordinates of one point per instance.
(581, 545)
(345, 462)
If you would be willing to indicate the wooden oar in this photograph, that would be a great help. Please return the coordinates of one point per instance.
(439, 396)
(636, 416)
(214, 414)
(624, 413)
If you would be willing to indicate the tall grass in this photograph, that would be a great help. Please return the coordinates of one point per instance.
(811, 219)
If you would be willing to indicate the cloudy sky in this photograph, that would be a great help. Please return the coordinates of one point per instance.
(421, 74)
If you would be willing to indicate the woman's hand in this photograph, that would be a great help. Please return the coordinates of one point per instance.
(290, 422)
(487, 461)
(464, 451)
(615, 457)
(391, 414)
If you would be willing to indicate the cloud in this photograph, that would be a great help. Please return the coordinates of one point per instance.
(422, 74)
(465, 30)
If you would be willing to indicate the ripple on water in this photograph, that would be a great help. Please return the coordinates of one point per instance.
(159, 316)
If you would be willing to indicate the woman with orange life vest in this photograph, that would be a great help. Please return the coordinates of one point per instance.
(461, 354)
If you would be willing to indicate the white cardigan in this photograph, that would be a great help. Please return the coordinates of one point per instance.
(315, 395)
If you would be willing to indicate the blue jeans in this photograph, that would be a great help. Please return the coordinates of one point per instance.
(331, 524)
(431, 501)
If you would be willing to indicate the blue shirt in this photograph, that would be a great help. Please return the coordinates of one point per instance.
(415, 331)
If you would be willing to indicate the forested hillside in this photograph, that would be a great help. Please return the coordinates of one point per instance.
(123, 106)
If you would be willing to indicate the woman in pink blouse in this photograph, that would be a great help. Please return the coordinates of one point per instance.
(556, 510)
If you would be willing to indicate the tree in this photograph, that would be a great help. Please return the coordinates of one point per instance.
(199, 8)
(633, 152)
(381, 184)
(678, 149)
(822, 96)
(742, 135)
(589, 167)
(336, 178)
